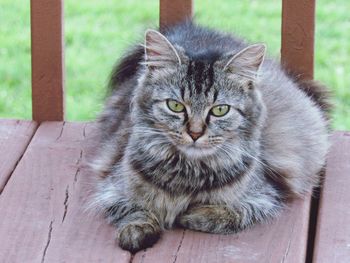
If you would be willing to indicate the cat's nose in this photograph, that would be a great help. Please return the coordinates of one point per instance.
(195, 135)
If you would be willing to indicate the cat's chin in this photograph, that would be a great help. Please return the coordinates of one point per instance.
(194, 151)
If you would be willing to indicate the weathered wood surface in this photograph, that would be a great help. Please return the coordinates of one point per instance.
(332, 244)
(174, 11)
(42, 205)
(47, 60)
(43, 218)
(283, 240)
(298, 30)
(15, 136)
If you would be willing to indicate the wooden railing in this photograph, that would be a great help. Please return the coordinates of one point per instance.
(297, 51)
(47, 60)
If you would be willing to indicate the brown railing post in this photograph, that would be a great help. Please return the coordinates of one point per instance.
(174, 11)
(298, 29)
(47, 60)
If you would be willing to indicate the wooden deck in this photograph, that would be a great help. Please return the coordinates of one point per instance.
(44, 182)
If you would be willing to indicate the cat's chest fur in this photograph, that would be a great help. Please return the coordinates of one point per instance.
(169, 186)
(176, 174)
(163, 205)
(167, 207)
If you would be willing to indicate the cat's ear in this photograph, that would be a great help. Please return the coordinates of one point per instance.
(159, 52)
(247, 62)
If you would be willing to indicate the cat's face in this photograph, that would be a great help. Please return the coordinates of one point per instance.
(196, 117)
(199, 106)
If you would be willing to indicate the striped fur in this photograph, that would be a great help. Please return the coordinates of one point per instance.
(242, 168)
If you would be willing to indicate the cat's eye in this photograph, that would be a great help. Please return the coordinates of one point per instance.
(175, 106)
(220, 110)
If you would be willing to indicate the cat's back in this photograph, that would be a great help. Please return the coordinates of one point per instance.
(295, 134)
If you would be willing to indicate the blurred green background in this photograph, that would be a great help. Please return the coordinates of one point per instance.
(97, 32)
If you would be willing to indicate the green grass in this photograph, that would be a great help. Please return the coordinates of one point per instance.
(97, 32)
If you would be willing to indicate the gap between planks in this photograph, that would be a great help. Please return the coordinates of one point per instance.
(44, 219)
(32, 128)
(182, 240)
(332, 241)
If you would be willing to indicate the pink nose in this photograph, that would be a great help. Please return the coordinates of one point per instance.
(195, 135)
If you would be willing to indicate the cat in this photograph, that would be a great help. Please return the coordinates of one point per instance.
(202, 131)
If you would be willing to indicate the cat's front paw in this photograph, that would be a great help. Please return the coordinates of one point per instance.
(136, 236)
(210, 219)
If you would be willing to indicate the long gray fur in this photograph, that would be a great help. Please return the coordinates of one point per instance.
(269, 148)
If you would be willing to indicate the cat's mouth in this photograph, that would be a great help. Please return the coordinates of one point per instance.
(196, 150)
(198, 146)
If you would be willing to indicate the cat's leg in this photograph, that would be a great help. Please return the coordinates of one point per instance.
(124, 208)
(137, 228)
(211, 219)
(225, 219)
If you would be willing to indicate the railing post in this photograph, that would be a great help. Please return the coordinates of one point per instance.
(47, 60)
(174, 11)
(298, 29)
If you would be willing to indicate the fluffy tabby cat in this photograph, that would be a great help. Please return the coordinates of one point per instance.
(200, 131)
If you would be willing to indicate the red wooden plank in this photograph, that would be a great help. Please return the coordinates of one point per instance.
(15, 136)
(42, 206)
(298, 29)
(283, 240)
(47, 60)
(174, 11)
(332, 243)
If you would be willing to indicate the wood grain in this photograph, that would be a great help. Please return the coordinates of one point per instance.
(172, 12)
(332, 243)
(298, 30)
(15, 136)
(47, 60)
(42, 206)
(283, 240)
(43, 218)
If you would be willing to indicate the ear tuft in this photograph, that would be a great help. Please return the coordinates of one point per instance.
(247, 62)
(159, 52)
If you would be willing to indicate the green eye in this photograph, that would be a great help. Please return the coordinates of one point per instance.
(175, 106)
(220, 110)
